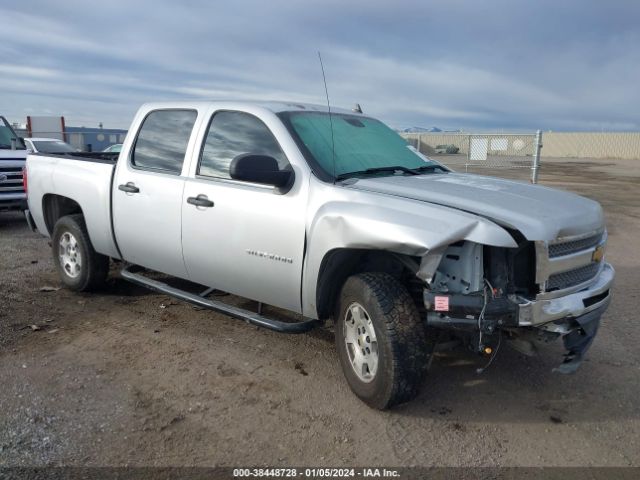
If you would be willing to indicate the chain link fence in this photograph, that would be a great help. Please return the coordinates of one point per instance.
(494, 153)
(477, 151)
(592, 145)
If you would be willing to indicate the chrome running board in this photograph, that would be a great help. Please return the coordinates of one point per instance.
(236, 312)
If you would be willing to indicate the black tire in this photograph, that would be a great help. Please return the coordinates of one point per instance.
(400, 335)
(94, 267)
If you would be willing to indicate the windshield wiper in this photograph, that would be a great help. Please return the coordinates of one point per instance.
(428, 168)
(369, 171)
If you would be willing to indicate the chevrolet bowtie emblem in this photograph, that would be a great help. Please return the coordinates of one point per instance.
(598, 254)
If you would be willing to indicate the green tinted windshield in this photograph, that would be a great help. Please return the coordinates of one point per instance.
(361, 143)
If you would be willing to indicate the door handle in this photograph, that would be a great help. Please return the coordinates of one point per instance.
(200, 201)
(129, 187)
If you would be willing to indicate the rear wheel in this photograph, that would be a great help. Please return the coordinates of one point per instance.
(80, 267)
(380, 340)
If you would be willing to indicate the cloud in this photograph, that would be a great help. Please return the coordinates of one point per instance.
(471, 65)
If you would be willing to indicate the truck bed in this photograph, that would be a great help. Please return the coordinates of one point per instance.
(85, 178)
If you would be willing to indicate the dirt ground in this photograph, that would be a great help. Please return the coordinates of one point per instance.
(131, 377)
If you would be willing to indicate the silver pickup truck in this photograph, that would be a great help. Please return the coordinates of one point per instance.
(328, 215)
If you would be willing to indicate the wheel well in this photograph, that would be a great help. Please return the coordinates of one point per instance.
(55, 207)
(341, 263)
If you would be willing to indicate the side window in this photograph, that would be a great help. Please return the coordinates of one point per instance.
(162, 140)
(235, 133)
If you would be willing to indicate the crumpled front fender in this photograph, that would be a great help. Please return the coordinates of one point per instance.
(389, 224)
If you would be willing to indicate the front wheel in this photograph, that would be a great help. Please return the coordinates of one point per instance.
(380, 340)
(80, 267)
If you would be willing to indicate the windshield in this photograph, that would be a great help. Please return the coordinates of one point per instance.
(6, 134)
(361, 144)
(52, 146)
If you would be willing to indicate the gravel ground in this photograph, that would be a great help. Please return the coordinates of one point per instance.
(131, 377)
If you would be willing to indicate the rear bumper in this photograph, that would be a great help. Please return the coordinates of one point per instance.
(595, 297)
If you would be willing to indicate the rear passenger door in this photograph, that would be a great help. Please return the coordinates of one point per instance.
(249, 240)
(147, 192)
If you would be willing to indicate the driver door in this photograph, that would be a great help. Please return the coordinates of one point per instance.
(243, 238)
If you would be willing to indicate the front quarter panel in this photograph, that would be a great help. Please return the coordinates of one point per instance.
(346, 218)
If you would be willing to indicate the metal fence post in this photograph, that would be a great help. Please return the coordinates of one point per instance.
(419, 137)
(466, 165)
(535, 168)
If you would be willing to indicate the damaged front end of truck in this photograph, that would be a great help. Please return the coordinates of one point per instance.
(531, 294)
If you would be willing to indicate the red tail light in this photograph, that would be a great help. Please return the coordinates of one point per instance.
(24, 179)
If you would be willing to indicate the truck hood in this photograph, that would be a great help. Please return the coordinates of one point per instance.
(539, 213)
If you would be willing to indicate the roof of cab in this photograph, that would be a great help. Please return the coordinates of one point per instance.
(273, 106)
(277, 107)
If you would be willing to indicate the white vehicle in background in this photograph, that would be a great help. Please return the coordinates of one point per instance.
(12, 160)
(48, 145)
(115, 148)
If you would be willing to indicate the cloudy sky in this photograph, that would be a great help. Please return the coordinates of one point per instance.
(483, 65)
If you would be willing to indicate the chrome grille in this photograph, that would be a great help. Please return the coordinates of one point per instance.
(559, 281)
(13, 183)
(573, 246)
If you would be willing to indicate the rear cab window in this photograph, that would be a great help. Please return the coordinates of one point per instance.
(162, 141)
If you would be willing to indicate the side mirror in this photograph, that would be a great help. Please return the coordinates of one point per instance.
(263, 169)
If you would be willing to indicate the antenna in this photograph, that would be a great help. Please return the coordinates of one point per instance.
(333, 144)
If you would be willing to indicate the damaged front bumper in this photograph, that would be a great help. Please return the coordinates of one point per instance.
(542, 311)
(548, 312)
(574, 316)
